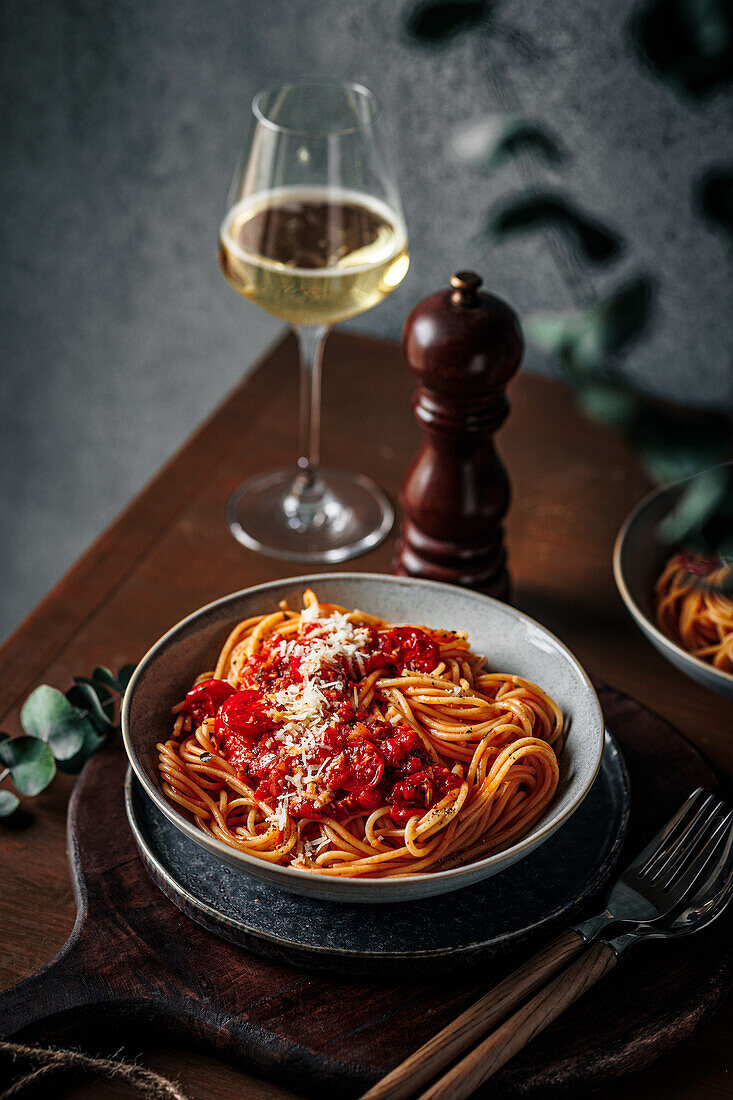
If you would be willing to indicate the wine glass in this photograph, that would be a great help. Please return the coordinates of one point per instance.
(314, 233)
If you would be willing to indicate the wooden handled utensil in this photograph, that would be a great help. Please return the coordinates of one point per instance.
(689, 857)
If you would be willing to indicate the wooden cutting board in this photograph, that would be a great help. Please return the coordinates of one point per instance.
(134, 963)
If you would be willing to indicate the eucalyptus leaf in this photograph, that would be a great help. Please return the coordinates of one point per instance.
(585, 341)
(103, 694)
(31, 763)
(101, 691)
(49, 716)
(674, 443)
(570, 338)
(9, 803)
(687, 43)
(712, 534)
(723, 547)
(534, 211)
(436, 23)
(104, 676)
(613, 404)
(714, 198)
(93, 740)
(86, 697)
(552, 332)
(492, 141)
(527, 137)
(124, 676)
(699, 501)
(623, 315)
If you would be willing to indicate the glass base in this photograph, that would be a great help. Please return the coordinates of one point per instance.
(288, 514)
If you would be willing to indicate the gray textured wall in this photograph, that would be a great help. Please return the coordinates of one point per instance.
(121, 124)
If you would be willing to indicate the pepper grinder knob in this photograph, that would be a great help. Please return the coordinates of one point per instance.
(466, 284)
(463, 345)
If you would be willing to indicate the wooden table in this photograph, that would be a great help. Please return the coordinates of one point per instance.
(170, 551)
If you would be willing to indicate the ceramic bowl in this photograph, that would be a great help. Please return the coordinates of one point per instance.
(510, 641)
(638, 559)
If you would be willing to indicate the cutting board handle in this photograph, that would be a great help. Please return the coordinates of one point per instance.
(62, 987)
(105, 967)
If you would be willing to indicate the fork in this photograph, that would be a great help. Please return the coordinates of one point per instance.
(676, 863)
(711, 887)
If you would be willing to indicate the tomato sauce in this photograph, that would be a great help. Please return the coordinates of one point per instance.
(700, 565)
(358, 762)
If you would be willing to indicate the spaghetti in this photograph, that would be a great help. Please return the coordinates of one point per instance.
(331, 741)
(693, 609)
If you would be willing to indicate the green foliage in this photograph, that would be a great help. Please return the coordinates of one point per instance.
(687, 43)
(124, 676)
(103, 676)
(714, 534)
(701, 500)
(713, 196)
(623, 316)
(48, 716)
(61, 731)
(9, 803)
(585, 341)
(607, 401)
(493, 141)
(435, 23)
(519, 136)
(672, 443)
(95, 729)
(676, 443)
(30, 763)
(544, 210)
(97, 701)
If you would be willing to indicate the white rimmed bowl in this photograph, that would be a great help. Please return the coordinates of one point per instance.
(511, 641)
(638, 559)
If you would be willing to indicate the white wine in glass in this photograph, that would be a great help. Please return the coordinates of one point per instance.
(313, 257)
(314, 234)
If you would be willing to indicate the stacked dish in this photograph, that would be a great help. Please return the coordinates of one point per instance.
(510, 642)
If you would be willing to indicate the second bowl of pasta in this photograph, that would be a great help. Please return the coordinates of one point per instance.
(681, 600)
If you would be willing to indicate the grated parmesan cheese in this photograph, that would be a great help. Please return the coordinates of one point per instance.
(334, 644)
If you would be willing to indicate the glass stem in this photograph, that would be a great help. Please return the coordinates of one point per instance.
(311, 339)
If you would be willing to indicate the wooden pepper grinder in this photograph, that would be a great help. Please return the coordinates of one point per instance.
(463, 345)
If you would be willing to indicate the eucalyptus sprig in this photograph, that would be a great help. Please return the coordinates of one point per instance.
(60, 732)
(495, 139)
(672, 443)
(688, 44)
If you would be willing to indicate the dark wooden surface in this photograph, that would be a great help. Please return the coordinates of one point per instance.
(170, 552)
(134, 962)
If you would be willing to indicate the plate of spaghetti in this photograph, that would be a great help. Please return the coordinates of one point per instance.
(682, 600)
(363, 737)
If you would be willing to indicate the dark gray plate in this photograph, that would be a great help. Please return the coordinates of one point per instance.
(544, 889)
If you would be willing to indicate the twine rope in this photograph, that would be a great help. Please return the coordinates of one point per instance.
(50, 1060)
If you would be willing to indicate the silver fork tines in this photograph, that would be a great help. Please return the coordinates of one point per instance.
(679, 831)
(662, 843)
(698, 865)
(677, 863)
(679, 850)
